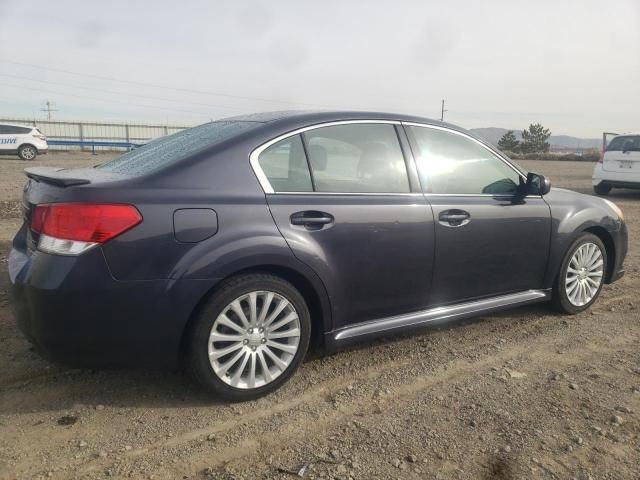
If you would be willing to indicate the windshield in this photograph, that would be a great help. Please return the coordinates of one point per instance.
(169, 150)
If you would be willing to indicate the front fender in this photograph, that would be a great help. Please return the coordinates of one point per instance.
(574, 213)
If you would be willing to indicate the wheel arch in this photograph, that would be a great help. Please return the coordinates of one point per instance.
(27, 144)
(311, 289)
(610, 248)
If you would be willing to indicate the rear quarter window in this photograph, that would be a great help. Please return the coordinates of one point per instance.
(172, 149)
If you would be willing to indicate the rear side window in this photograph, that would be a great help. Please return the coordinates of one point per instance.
(357, 158)
(174, 148)
(11, 130)
(453, 164)
(628, 143)
(285, 166)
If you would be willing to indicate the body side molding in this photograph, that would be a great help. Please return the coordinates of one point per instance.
(449, 312)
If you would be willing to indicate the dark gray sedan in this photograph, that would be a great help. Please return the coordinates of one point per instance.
(233, 245)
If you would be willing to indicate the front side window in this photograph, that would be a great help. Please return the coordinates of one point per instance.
(285, 166)
(357, 158)
(449, 163)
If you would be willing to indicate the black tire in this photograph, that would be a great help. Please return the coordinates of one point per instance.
(197, 348)
(27, 152)
(560, 299)
(602, 189)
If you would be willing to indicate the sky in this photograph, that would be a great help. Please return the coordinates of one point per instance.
(572, 65)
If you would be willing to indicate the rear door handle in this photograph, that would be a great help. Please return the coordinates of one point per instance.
(312, 220)
(454, 218)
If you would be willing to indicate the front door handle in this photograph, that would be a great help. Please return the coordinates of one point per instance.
(311, 219)
(454, 218)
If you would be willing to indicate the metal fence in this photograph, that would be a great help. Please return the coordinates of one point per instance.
(92, 131)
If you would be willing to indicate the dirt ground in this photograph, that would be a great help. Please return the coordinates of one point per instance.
(522, 394)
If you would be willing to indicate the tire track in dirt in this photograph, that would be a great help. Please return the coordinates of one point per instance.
(540, 358)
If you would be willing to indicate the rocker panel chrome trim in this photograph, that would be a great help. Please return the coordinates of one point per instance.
(449, 312)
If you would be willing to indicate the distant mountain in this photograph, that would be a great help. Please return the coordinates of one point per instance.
(557, 142)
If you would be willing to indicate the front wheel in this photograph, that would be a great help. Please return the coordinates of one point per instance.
(602, 189)
(249, 337)
(581, 275)
(27, 152)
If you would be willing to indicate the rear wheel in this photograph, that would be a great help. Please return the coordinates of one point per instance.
(581, 275)
(250, 337)
(602, 189)
(27, 152)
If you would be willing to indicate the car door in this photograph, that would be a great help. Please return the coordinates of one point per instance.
(343, 201)
(7, 141)
(489, 240)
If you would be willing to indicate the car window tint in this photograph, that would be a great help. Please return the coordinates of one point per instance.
(628, 143)
(23, 130)
(357, 158)
(171, 149)
(285, 165)
(4, 130)
(449, 163)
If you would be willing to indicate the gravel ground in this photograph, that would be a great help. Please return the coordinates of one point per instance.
(523, 394)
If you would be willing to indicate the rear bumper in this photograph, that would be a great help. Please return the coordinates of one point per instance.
(614, 179)
(76, 313)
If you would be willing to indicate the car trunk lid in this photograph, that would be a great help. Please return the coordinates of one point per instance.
(623, 155)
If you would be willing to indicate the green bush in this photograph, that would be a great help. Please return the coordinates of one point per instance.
(589, 156)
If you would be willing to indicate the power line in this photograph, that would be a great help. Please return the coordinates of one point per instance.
(154, 85)
(19, 77)
(201, 114)
(48, 107)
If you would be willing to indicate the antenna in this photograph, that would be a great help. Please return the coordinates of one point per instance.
(442, 111)
(48, 108)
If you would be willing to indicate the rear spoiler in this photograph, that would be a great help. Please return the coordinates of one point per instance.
(54, 176)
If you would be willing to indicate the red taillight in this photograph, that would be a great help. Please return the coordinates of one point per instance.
(41, 137)
(84, 222)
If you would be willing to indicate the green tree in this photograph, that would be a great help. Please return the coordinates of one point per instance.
(508, 142)
(534, 139)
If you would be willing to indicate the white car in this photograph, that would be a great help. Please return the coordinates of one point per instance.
(619, 165)
(25, 141)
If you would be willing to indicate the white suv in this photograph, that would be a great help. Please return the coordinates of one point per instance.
(23, 140)
(619, 165)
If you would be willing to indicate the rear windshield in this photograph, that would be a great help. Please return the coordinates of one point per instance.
(629, 143)
(166, 151)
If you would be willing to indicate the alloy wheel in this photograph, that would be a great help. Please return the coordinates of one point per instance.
(584, 274)
(28, 153)
(254, 339)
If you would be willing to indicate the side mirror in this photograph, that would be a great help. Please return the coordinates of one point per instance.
(537, 184)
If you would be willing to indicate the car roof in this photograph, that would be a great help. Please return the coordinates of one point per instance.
(284, 121)
(16, 125)
(313, 116)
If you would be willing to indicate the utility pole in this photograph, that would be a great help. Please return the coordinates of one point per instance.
(48, 108)
(442, 111)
